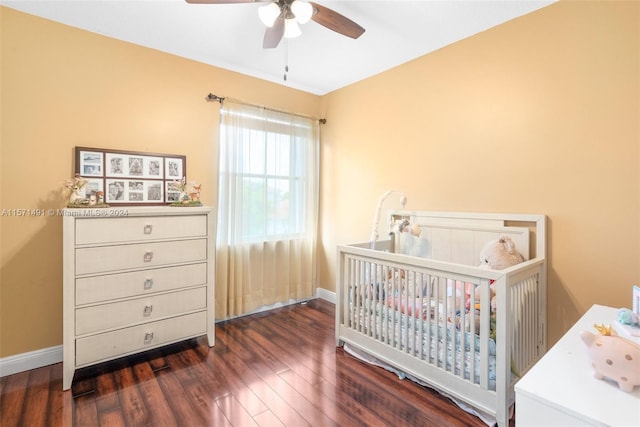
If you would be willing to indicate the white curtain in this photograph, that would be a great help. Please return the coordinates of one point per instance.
(267, 208)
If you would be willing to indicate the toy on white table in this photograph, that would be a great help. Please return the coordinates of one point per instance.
(613, 357)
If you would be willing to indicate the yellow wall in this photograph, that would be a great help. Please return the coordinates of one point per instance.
(538, 115)
(64, 87)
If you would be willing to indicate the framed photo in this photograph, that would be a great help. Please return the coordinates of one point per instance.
(174, 168)
(130, 177)
(90, 163)
(96, 187)
(173, 191)
(153, 167)
(135, 191)
(115, 164)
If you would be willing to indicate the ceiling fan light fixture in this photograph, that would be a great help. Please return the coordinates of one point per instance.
(269, 13)
(302, 10)
(291, 28)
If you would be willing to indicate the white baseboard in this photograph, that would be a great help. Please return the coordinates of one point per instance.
(30, 360)
(48, 356)
(326, 295)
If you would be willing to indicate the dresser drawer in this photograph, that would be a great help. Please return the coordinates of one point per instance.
(100, 347)
(121, 285)
(105, 259)
(124, 313)
(133, 229)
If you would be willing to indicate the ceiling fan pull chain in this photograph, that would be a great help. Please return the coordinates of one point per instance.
(286, 59)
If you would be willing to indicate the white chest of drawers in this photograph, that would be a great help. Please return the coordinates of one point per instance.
(561, 390)
(135, 278)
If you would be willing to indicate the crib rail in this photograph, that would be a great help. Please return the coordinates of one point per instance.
(434, 320)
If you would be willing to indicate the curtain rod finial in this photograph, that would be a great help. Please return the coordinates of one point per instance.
(212, 98)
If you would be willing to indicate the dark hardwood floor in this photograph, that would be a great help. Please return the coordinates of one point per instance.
(277, 368)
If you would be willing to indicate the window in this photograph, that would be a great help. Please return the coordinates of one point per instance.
(267, 163)
(267, 208)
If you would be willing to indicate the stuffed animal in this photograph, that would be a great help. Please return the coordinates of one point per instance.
(406, 226)
(497, 255)
(628, 317)
(613, 357)
(500, 254)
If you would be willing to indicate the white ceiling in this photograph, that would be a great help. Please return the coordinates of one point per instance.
(320, 61)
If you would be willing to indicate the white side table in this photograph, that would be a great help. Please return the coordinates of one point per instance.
(560, 390)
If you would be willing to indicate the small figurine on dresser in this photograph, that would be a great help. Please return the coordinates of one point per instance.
(615, 351)
(76, 189)
(186, 193)
(81, 195)
(628, 323)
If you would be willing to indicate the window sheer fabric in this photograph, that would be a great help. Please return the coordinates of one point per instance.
(267, 208)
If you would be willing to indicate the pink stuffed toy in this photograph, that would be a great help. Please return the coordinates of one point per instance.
(613, 357)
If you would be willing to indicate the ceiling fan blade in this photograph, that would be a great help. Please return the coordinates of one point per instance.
(273, 35)
(223, 1)
(335, 21)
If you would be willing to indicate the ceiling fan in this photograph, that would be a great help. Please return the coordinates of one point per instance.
(283, 16)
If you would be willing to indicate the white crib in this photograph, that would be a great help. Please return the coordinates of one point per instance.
(403, 304)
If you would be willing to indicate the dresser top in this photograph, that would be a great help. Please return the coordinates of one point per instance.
(563, 379)
(133, 211)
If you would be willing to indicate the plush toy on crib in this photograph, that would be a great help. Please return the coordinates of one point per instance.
(500, 254)
(497, 255)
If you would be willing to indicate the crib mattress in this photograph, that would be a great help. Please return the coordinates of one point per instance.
(441, 344)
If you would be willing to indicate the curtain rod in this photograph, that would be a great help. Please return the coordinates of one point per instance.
(213, 98)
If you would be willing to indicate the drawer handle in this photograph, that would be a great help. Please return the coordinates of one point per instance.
(148, 256)
(148, 337)
(148, 283)
(148, 309)
(148, 229)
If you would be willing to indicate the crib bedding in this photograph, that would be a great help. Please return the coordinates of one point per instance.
(441, 344)
(405, 313)
(408, 291)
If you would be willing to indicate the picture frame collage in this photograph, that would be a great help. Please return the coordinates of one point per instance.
(131, 177)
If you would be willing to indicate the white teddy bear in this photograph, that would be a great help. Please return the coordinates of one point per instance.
(497, 255)
(500, 254)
